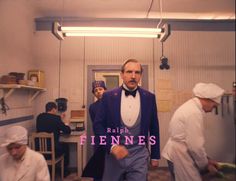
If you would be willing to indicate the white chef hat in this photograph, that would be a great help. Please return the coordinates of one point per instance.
(15, 134)
(209, 91)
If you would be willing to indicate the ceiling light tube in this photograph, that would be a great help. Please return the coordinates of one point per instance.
(63, 31)
(138, 35)
(111, 31)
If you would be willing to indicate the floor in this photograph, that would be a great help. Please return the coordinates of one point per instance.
(160, 174)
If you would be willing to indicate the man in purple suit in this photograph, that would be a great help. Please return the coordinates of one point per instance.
(127, 124)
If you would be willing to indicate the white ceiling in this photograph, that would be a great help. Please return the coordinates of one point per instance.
(172, 9)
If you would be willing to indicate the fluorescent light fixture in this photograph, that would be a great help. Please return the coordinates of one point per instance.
(56, 32)
(112, 34)
(109, 31)
(166, 33)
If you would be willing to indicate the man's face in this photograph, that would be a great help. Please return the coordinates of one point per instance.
(16, 150)
(209, 105)
(131, 75)
(98, 92)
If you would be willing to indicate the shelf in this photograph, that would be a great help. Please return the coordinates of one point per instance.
(19, 86)
(12, 87)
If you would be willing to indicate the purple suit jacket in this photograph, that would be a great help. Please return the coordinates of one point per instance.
(108, 116)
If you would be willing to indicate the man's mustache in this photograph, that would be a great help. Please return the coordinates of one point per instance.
(133, 81)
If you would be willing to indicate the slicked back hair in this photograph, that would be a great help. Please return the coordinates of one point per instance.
(128, 61)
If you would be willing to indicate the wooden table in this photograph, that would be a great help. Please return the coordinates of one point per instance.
(75, 139)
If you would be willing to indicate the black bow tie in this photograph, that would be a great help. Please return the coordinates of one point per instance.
(132, 93)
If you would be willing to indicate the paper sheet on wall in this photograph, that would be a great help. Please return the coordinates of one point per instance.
(164, 95)
(163, 84)
(181, 96)
(167, 97)
(164, 105)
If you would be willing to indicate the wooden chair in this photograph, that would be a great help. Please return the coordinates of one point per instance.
(44, 143)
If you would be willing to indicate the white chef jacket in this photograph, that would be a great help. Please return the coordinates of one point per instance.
(185, 147)
(33, 167)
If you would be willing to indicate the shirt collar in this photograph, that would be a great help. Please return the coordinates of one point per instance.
(198, 103)
(125, 87)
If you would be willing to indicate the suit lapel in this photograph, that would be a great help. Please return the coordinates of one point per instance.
(116, 108)
(143, 107)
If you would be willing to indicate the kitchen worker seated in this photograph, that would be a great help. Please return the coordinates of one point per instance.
(20, 163)
(50, 122)
(184, 151)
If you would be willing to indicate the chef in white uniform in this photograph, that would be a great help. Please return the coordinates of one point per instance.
(184, 151)
(20, 163)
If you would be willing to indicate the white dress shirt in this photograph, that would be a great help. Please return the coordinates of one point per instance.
(130, 108)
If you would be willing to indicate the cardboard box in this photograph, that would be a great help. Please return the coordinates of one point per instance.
(77, 115)
(37, 76)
